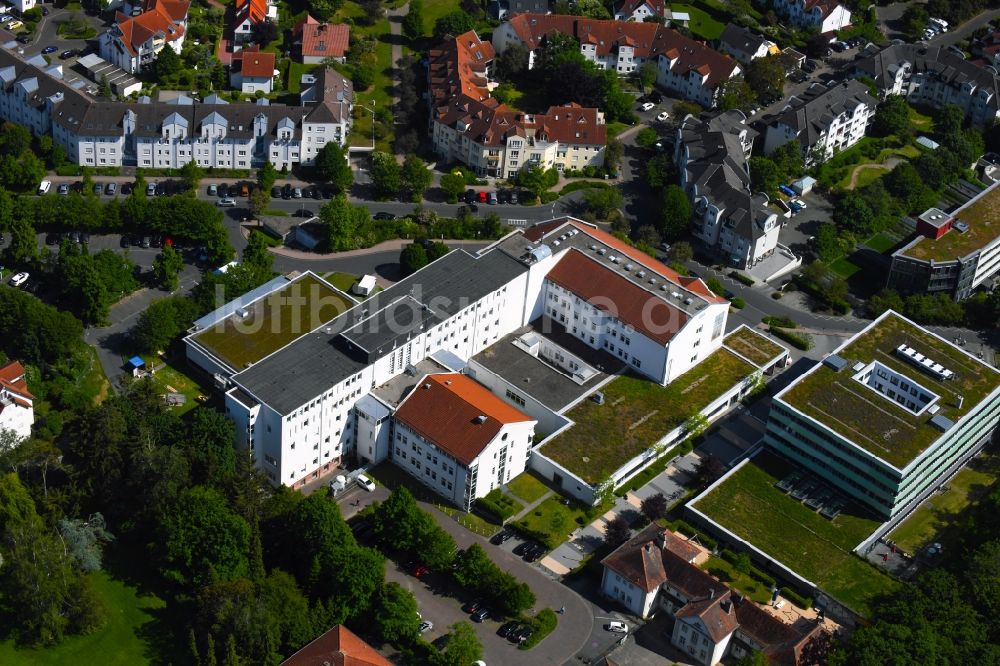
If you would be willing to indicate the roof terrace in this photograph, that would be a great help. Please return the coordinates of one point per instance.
(981, 214)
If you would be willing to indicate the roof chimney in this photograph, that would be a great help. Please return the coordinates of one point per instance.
(661, 539)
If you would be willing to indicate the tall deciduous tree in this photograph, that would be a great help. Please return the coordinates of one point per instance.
(412, 258)
(394, 613)
(416, 177)
(167, 266)
(332, 165)
(413, 22)
(675, 213)
(617, 532)
(385, 175)
(453, 185)
(267, 174)
(462, 647)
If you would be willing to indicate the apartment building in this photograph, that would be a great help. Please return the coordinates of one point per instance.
(744, 44)
(659, 570)
(712, 158)
(249, 13)
(934, 76)
(169, 135)
(825, 121)
(309, 399)
(823, 15)
(133, 41)
(952, 254)
(934, 405)
(252, 71)
(685, 66)
(17, 412)
(469, 126)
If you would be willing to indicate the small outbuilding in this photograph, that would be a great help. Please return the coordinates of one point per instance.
(136, 365)
(365, 286)
(804, 185)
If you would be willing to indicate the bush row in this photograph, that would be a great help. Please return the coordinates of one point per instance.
(796, 598)
(740, 277)
(738, 303)
(801, 341)
(783, 322)
(542, 625)
(689, 530)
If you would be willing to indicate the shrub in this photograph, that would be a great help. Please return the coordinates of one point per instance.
(497, 506)
(761, 577)
(543, 624)
(781, 322)
(796, 598)
(738, 303)
(740, 277)
(801, 341)
(776, 295)
(690, 531)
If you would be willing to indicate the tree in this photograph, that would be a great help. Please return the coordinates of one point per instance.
(162, 322)
(453, 184)
(710, 469)
(461, 648)
(166, 267)
(264, 32)
(660, 171)
(385, 174)
(647, 75)
(85, 540)
(267, 175)
(766, 76)
(676, 213)
(892, 117)
(852, 212)
(333, 166)
(948, 120)
(394, 615)
(617, 532)
(324, 9)
(512, 62)
(764, 174)
(755, 658)
(258, 258)
(654, 507)
(914, 21)
(613, 153)
(260, 199)
(646, 137)
(601, 201)
(736, 93)
(413, 22)
(453, 24)
(827, 243)
(23, 248)
(594, 9)
(167, 65)
(21, 172)
(342, 221)
(680, 252)
(104, 88)
(208, 440)
(416, 177)
(537, 179)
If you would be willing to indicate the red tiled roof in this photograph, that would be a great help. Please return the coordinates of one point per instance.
(325, 40)
(649, 40)
(12, 379)
(304, 21)
(716, 613)
(161, 17)
(253, 63)
(337, 647)
(255, 10)
(606, 290)
(444, 409)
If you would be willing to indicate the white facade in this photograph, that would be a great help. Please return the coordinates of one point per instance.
(24, 5)
(17, 412)
(638, 602)
(825, 17)
(638, 12)
(692, 636)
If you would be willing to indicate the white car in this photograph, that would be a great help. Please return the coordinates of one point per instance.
(44, 187)
(801, 203)
(366, 483)
(663, 115)
(647, 106)
(617, 627)
(227, 202)
(426, 626)
(19, 279)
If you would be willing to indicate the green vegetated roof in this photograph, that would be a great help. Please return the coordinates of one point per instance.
(753, 346)
(275, 320)
(636, 413)
(983, 218)
(749, 505)
(876, 423)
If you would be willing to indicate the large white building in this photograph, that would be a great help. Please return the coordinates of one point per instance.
(687, 67)
(17, 413)
(825, 121)
(823, 15)
(729, 219)
(169, 135)
(317, 396)
(132, 42)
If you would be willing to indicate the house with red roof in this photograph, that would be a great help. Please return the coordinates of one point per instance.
(247, 14)
(459, 439)
(133, 41)
(252, 70)
(319, 41)
(337, 647)
(685, 66)
(17, 412)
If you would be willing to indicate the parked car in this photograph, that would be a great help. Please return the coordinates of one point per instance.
(45, 11)
(275, 192)
(481, 615)
(227, 202)
(19, 279)
(316, 194)
(617, 627)
(802, 204)
(522, 548)
(426, 626)
(151, 189)
(366, 483)
(419, 570)
(98, 189)
(501, 537)
(244, 190)
(328, 192)
(161, 189)
(49, 49)
(23, 39)
(127, 189)
(146, 242)
(523, 634)
(233, 191)
(513, 197)
(383, 216)
(297, 193)
(503, 196)
(482, 196)
(44, 186)
(213, 190)
(787, 190)
(84, 237)
(126, 241)
(662, 116)
(655, 97)
(110, 189)
(68, 53)
(647, 106)
(303, 212)
(534, 551)
(472, 606)
(63, 189)
(286, 192)
(491, 198)
(470, 196)
(508, 628)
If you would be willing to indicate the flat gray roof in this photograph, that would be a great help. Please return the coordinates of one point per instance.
(397, 388)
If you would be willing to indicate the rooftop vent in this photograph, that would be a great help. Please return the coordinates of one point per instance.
(242, 313)
(627, 267)
(602, 251)
(427, 386)
(836, 363)
(479, 419)
(959, 226)
(613, 259)
(687, 301)
(858, 367)
(598, 398)
(641, 274)
(959, 400)
(652, 280)
(663, 287)
(594, 248)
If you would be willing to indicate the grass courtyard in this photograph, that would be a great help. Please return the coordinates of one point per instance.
(527, 487)
(752, 346)
(171, 378)
(274, 321)
(552, 521)
(702, 23)
(749, 505)
(637, 413)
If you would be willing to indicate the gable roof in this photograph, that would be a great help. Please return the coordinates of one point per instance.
(812, 116)
(456, 414)
(630, 6)
(12, 380)
(739, 38)
(716, 614)
(159, 18)
(252, 62)
(325, 40)
(254, 10)
(337, 647)
(640, 560)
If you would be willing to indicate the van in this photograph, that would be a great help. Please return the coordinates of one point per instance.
(44, 187)
(244, 190)
(940, 24)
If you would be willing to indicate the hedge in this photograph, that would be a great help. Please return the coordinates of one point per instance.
(801, 341)
(543, 538)
(755, 573)
(583, 185)
(740, 277)
(783, 322)
(738, 303)
(498, 506)
(796, 598)
(542, 625)
(690, 531)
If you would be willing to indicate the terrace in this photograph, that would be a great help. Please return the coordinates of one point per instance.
(637, 413)
(876, 423)
(753, 346)
(750, 505)
(983, 217)
(270, 323)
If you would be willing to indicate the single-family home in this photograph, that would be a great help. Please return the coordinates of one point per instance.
(249, 13)
(640, 10)
(132, 42)
(319, 41)
(823, 15)
(17, 412)
(252, 70)
(745, 45)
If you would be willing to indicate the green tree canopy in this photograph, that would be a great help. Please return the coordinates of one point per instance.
(167, 266)
(453, 24)
(412, 258)
(453, 185)
(415, 176)
(413, 22)
(892, 117)
(675, 213)
(333, 166)
(385, 174)
(162, 322)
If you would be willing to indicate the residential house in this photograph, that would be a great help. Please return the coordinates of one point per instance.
(934, 76)
(657, 570)
(640, 10)
(456, 437)
(132, 42)
(17, 412)
(24, 5)
(252, 70)
(249, 13)
(515, 7)
(823, 15)
(712, 157)
(319, 41)
(685, 66)
(337, 647)
(744, 44)
(825, 121)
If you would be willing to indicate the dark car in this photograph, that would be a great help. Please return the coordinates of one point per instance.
(328, 192)
(508, 628)
(52, 239)
(74, 236)
(49, 49)
(472, 606)
(655, 97)
(522, 548)
(315, 193)
(534, 552)
(161, 189)
(145, 242)
(481, 615)
(513, 197)
(500, 537)
(286, 192)
(303, 212)
(126, 188)
(45, 11)
(125, 241)
(24, 39)
(156, 240)
(84, 237)
(383, 216)
(503, 196)
(68, 53)
(234, 191)
(470, 196)
(522, 634)
(275, 192)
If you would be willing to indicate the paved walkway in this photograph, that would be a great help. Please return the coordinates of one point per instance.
(530, 507)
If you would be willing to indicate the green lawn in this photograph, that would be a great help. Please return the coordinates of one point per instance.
(171, 378)
(93, 382)
(470, 521)
(293, 83)
(527, 487)
(844, 267)
(921, 121)
(702, 24)
(616, 128)
(552, 521)
(737, 580)
(117, 642)
(932, 520)
(751, 507)
(435, 9)
(752, 346)
(637, 413)
(344, 282)
(880, 243)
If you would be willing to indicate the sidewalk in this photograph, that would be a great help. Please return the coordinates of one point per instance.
(386, 246)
